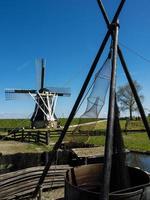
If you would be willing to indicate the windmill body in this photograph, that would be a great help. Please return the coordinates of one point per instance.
(43, 115)
(45, 101)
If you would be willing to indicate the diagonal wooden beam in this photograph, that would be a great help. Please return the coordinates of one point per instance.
(134, 91)
(127, 73)
(74, 109)
(101, 6)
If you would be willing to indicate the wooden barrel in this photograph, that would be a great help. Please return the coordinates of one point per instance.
(85, 182)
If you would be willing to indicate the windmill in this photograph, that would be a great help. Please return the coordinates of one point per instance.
(45, 100)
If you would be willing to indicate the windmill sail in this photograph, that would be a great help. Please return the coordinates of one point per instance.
(40, 73)
(13, 94)
(59, 91)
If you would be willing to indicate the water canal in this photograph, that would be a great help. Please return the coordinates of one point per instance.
(138, 159)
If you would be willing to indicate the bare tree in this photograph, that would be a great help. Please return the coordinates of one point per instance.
(126, 98)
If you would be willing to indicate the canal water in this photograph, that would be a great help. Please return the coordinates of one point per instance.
(141, 160)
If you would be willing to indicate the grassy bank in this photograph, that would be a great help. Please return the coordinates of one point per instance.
(17, 123)
(134, 125)
(137, 141)
(12, 147)
(14, 123)
(133, 141)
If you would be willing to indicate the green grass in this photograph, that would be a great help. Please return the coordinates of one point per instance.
(75, 121)
(97, 140)
(133, 141)
(137, 141)
(14, 123)
(11, 147)
(132, 125)
(17, 123)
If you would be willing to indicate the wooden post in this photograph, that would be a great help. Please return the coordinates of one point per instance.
(135, 94)
(29, 136)
(110, 122)
(120, 178)
(38, 136)
(14, 135)
(22, 135)
(40, 193)
(46, 157)
(47, 137)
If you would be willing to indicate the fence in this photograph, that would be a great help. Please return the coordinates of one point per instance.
(44, 136)
(30, 136)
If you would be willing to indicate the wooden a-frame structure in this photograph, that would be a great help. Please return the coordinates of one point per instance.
(112, 121)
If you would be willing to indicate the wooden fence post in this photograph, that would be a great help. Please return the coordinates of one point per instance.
(22, 136)
(38, 136)
(40, 193)
(47, 137)
(14, 135)
(29, 136)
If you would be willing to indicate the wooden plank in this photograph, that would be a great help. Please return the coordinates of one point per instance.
(31, 169)
(24, 181)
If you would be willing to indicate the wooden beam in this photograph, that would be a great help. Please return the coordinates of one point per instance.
(110, 121)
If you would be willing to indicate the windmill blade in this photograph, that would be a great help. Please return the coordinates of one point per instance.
(40, 73)
(59, 91)
(12, 94)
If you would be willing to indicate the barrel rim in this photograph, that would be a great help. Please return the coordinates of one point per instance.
(115, 193)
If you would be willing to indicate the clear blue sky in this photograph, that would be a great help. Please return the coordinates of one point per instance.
(67, 33)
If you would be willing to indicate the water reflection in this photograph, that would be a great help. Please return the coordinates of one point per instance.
(140, 160)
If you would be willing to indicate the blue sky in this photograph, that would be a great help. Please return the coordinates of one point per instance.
(67, 33)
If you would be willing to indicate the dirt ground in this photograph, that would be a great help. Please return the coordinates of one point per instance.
(94, 151)
(53, 195)
(12, 147)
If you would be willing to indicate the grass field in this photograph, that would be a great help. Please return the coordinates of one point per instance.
(18, 123)
(11, 147)
(14, 123)
(135, 140)
(132, 125)
(75, 121)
